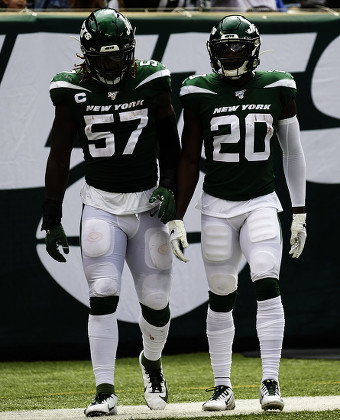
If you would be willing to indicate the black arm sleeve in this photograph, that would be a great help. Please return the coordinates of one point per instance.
(169, 150)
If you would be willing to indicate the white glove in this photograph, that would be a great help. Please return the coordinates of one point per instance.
(178, 238)
(299, 234)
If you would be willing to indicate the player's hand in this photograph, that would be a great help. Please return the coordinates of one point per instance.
(167, 209)
(55, 237)
(299, 234)
(178, 239)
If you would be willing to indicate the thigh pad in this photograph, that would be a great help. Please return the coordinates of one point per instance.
(216, 242)
(263, 225)
(96, 238)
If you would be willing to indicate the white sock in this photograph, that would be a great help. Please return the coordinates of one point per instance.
(103, 337)
(220, 333)
(270, 322)
(154, 338)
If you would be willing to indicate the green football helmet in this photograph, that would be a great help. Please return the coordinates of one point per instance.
(107, 40)
(234, 46)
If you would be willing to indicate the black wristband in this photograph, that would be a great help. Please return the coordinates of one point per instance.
(169, 184)
(52, 213)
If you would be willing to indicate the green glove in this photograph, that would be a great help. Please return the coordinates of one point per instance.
(167, 209)
(55, 237)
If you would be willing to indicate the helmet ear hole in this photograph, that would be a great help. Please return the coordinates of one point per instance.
(107, 41)
(234, 47)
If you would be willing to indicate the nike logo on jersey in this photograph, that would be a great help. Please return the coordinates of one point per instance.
(153, 213)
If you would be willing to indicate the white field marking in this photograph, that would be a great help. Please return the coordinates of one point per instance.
(182, 410)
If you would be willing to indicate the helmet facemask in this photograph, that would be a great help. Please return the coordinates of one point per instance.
(232, 58)
(111, 64)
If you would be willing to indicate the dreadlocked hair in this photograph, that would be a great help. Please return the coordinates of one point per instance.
(133, 70)
(82, 69)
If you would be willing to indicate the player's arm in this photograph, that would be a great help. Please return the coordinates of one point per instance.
(168, 139)
(169, 149)
(294, 166)
(58, 162)
(56, 179)
(188, 168)
(187, 178)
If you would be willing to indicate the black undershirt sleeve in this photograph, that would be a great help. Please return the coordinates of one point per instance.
(169, 150)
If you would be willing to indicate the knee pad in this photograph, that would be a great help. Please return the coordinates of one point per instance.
(95, 238)
(105, 286)
(222, 283)
(159, 248)
(103, 280)
(261, 263)
(216, 243)
(154, 291)
(156, 300)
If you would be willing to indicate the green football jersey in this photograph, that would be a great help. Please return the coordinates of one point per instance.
(116, 125)
(239, 125)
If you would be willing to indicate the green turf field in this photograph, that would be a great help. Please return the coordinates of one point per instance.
(70, 384)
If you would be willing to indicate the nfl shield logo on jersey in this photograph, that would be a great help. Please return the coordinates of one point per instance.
(240, 93)
(112, 95)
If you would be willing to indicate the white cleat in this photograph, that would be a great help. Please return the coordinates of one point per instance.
(270, 397)
(155, 388)
(102, 405)
(222, 399)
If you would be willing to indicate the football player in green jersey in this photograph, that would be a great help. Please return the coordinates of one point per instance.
(237, 113)
(120, 108)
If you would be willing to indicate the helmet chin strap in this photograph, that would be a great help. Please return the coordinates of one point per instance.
(235, 73)
(108, 81)
(111, 82)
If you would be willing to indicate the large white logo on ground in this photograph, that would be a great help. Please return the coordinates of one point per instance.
(23, 166)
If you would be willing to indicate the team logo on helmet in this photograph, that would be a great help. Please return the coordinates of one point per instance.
(252, 28)
(84, 32)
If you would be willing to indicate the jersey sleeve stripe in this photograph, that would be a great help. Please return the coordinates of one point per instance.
(290, 83)
(185, 90)
(62, 84)
(156, 75)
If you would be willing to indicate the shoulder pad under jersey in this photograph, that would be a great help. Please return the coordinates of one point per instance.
(276, 78)
(65, 83)
(152, 72)
(197, 83)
